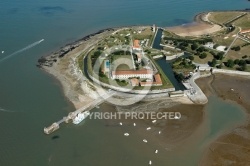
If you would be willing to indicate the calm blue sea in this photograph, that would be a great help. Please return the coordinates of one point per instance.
(30, 99)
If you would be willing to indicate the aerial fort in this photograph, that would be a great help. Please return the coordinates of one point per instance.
(150, 61)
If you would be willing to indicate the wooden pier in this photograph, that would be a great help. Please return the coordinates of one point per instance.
(56, 125)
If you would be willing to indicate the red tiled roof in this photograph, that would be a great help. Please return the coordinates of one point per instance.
(130, 72)
(157, 79)
(136, 44)
(245, 31)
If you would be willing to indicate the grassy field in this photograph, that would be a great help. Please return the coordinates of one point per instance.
(222, 17)
(238, 54)
(145, 34)
(123, 67)
(122, 62)
(225, 39)
(209, 58)
(243, 22)
(239, 42)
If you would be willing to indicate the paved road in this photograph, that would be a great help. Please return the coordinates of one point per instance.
(236, 37)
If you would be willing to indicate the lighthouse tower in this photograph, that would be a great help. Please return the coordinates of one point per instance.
(153, 28)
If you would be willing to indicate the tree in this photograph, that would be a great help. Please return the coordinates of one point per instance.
(244, 57)
(179, 76)
(191, 58)
(219, 56)
(201, 49)
(230, 63)
(97, 53)
(236, 61)
(203, 55)
(242, 62)
(194, 46)
(213, 63)
(236, 48)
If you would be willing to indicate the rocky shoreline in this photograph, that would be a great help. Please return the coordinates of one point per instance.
(52, 58)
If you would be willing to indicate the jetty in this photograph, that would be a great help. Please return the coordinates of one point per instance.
(56, 125)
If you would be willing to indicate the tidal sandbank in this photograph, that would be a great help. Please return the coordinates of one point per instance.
(232, 148)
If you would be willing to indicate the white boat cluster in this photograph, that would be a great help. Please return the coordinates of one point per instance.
(144, 140)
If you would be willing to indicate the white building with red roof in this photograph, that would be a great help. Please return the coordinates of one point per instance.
(125, 74)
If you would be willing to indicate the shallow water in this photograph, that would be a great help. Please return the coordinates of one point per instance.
(36, 98)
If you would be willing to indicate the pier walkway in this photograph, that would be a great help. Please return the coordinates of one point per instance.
(56, 125)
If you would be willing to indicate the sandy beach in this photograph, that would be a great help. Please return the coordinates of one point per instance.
(200, 26)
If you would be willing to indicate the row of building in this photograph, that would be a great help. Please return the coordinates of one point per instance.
(135, 75)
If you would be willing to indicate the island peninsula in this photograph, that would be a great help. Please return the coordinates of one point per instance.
(121, 63)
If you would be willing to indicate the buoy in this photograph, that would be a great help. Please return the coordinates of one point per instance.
(150, 162)
(153, 121)
(176, 117)
(134, 124)
(145, 141)
(148, 128)
(159, 132)
(126, 134)
(156, 151)
(121, 123)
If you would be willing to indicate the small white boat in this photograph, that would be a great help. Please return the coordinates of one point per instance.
(148, 128)
(134, 124)
(150, 162)
(153, 121)
(145, 140)
(159, 132)
(176, 117)
(120, 123)
(80, 117)
(126, 134)
(2, 52)
(156, 151)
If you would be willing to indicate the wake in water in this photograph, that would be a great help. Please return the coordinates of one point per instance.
(4, 110)
(24, 49)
